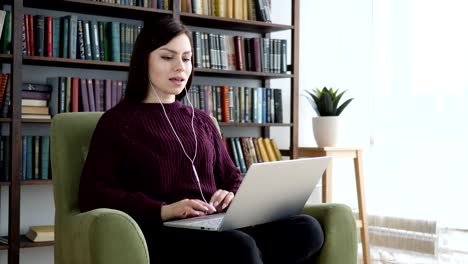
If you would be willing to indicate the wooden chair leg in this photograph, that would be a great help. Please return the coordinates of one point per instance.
(327, 183)
(362, 207)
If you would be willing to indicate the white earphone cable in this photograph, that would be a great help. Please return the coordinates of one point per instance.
(192, 160)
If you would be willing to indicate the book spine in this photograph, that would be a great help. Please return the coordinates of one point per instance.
(95, 41)
(115, 41)
(48, 37)
(80, 48)
(84, 95)
(64, 36)
(73, 30)
(87, 40)
(39, 33)
(45, 153)
(56, 29)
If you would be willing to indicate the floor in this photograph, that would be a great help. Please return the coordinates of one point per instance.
(453, 249)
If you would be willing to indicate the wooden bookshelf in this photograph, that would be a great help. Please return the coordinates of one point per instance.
(26, 243)
(86, 7)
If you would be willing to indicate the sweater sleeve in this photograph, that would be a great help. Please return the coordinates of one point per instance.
(100, 185)
(227, 175)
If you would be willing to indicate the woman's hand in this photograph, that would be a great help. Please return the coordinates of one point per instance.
(221, 199)
(185, 208)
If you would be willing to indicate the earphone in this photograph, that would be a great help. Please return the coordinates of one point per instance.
(192, 160)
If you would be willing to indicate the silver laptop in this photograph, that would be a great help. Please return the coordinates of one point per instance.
(270, 191)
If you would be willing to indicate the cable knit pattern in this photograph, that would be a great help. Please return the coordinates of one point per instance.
(135, 163)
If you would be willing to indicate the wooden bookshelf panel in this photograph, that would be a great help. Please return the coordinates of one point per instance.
(31, 120)
(74, 63)
(5, 58)
(36, 182)
(121, 66)
(240, 74)
(2, 183)
(26, 243)
(232, 24)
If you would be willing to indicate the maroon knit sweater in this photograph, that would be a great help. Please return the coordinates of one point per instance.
(135, 163)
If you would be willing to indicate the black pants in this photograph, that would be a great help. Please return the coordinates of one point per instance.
(289, 241)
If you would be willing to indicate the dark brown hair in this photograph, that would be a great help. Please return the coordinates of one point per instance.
(155, 33)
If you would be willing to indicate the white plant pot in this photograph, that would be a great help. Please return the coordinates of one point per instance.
(325, 130)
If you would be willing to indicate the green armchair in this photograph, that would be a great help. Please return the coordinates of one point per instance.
(111, 236)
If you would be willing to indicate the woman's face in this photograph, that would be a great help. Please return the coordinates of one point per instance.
(169, 68)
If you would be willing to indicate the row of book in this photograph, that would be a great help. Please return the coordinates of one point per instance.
(257, 10)
(70, 37)
(227, 52)
(4, 158)
(35, 164)
(238, 104)
(4, 94)
(246, 151)
(70, 94)
(158, 4)
(34, 100)
(5, 31)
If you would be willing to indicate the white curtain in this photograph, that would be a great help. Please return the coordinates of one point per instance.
(419, 125)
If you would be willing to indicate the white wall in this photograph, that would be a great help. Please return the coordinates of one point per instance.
(336, 48)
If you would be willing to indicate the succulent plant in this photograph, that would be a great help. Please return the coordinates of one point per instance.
(325, 101)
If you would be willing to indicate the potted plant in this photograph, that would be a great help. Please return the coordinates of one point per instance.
(326, 103)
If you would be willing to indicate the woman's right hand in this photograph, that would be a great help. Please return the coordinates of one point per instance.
(185, 208)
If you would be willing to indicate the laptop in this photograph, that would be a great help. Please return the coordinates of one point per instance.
(269, 191)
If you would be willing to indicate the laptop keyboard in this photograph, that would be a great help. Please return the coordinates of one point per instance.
(210, 223)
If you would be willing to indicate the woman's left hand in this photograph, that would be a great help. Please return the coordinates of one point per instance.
(221, 199)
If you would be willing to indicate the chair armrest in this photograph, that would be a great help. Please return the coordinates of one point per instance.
(102, 236)
(339, 226)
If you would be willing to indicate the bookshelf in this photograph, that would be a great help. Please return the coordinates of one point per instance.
(19, 62)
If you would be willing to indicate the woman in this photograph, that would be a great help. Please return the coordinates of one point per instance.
(158, 160)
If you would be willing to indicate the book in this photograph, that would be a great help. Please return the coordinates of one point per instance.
(3, 87)
(36, 87)
(2, 20)
(276, 149)
(42, 233)
(33, 116)
(42, 110)
(263, 151)
(269, 149)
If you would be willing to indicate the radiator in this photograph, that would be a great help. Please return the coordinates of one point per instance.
(403, 233)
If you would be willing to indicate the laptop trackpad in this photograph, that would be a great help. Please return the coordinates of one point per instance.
(208, 222)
